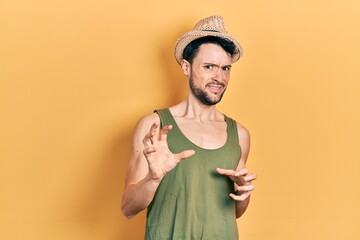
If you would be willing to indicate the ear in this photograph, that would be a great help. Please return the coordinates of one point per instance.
(186, 67)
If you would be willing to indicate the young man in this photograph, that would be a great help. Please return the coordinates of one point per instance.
(188, 161)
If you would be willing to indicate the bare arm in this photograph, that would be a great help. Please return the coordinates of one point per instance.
(241, 177)
(150, 161)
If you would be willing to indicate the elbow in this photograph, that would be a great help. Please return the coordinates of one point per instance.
(125, 211)
(128, 216)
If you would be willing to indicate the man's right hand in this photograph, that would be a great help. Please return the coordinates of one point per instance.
(160, 159)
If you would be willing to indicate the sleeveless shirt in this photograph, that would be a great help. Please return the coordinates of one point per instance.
(192, 201)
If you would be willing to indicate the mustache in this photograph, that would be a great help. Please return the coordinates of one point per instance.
(215, 83)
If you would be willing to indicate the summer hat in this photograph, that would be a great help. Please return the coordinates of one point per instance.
(210, 26)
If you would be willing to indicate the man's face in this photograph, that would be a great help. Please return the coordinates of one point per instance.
(210, 73)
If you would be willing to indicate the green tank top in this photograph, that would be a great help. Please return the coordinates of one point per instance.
(192, 201)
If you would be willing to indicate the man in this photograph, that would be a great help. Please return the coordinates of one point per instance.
(188, 161)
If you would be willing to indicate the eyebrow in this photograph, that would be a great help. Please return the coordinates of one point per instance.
(229, 66)
(209, 63)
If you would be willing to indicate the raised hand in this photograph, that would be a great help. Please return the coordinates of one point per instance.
(160, 159)
(242, 179)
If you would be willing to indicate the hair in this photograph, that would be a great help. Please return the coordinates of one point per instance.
(192, 49)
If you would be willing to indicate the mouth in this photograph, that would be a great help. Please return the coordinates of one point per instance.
(216, 88)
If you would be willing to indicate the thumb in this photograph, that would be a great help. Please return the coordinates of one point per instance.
(184, 154)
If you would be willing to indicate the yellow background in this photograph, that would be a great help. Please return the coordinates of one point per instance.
(77, 75)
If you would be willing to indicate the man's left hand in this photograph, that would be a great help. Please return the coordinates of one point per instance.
(243, 180)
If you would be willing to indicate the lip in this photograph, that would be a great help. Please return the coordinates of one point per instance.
(215, 88)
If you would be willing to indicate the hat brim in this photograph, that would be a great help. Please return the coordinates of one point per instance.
(188, 37)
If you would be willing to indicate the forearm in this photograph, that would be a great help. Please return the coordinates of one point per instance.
(241, 207)
(138, 196)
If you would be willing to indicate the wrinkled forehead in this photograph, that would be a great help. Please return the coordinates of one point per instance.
(213, 53)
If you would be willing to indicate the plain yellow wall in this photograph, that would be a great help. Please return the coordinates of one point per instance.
(77, 75)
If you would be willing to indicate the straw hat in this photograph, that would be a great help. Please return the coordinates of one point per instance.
(210, 26)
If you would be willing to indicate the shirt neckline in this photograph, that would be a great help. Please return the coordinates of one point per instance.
(192, 143)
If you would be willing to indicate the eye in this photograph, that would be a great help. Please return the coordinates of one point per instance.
(227, 68)
(209, 67)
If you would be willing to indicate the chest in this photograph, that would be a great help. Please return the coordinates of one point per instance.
(208, 135)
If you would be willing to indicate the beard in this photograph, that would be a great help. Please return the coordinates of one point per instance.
(203, 96)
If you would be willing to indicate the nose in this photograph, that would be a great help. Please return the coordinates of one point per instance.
(219, 75)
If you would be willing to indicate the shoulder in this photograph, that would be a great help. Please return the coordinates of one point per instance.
(244, 140)
(243, 132)
(145, 122)
(148, 119)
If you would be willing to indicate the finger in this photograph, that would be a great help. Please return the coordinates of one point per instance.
(153, 129)
(226, 172)
(164, 131)
(184, 154)
(149, 136)
(149, 150)
(241, 197)
(245, 188)
(241, 172)
(250, 177)
(146, 139)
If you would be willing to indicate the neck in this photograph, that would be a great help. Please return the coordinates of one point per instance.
(192, 108)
